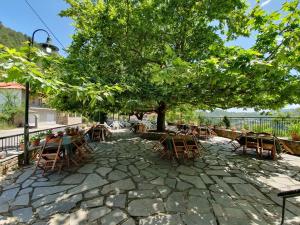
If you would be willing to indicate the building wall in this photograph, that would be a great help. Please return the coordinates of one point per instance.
(68, 119)
(45, 115)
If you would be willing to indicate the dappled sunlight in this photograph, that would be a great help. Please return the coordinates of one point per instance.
(280, 182)
(124, 181)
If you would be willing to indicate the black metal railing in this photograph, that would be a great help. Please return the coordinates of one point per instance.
(276, 125)
(11, 143)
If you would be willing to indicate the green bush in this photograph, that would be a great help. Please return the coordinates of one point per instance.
(262, 129)
(294, 129)
(226, 122)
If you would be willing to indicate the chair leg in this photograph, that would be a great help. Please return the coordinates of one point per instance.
(283, 211)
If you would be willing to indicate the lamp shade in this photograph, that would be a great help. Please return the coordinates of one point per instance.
(49, 47)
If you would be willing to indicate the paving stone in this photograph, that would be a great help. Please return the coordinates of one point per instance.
(206, 179)
(198, 205)
(24, 176)
(171, 182)
(11, 186)
(130, 221)
(158, 181)
(181, 186)
(199, 192)
(117, 175)
(74, 179)
(145, 207)
(248, 190)
(118, 201)
(233, 180)
(116, 187)
(97, 213)
(199, 219)
(163, 190)
(92, 193)
(57, 176)
(44, 191)
(95, 202)
(87, 168)
(162, 220)
(176, 202)
(45, 184)
(60, 219)
(133, 170)
(9, 195)
(3, 208)
(217, 173)
(79, 217)
(63, 205)
(103, 171)
(195, 180)
(143, 194)
(40, 223)
(225, 186)
(48, 199)
(114, 217)
(23, 215)
(200, 165)
(21, 200)
(145, 186)
(186, 170)
(92, 180)
(122, 167)
(27, 183)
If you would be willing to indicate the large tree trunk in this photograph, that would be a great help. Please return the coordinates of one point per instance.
(161, 116)
(102, 117)
(140, 115)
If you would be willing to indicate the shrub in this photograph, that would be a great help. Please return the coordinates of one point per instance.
(294, 129)
(226, 122)
(262, 129)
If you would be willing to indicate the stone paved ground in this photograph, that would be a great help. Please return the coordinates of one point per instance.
(125, 183)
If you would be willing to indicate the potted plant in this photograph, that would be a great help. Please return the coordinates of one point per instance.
(60, 133)
(49, 135)
(68, 131)
(226, 122)
(21, 144)
(35, 140)
(294, 131)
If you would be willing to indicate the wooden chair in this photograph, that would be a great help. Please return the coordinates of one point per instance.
(164, 147)
(192, 146)
(267, 142)
(50, 156)
(251, 141)
(180, 148)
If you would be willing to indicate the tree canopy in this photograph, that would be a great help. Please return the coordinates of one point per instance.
(155, 55)
(168, 53)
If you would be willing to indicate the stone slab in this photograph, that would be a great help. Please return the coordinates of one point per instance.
(145, 207)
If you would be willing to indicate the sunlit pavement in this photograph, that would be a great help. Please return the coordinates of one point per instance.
(124, 182)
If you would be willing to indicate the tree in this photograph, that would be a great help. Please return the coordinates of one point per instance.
(167, 53)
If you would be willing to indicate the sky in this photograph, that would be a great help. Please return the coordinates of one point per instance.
(17, 15)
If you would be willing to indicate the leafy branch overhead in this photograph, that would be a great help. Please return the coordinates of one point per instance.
(48, 76)
(173, 51)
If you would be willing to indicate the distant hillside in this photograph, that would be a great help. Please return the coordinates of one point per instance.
(221, 113)
(11, 38)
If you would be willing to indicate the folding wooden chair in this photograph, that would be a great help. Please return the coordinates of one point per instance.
(50, 156)
(251, 141)
(180, 148)
(267, 142)
(81, 152)
(164, 147)
(192, 146)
